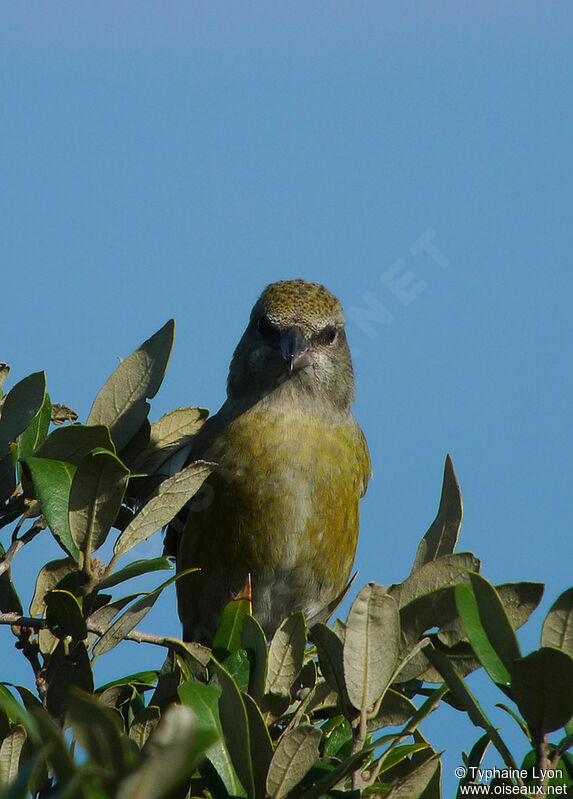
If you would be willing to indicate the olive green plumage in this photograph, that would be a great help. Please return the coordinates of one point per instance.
(292, 465)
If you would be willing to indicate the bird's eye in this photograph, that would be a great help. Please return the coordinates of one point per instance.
(326, 335)
(266, 328)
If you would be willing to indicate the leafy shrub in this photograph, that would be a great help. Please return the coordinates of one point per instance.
(329, 711)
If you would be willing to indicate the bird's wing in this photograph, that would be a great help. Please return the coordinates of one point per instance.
(202, 447)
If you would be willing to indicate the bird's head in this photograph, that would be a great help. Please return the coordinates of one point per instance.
(295, 335)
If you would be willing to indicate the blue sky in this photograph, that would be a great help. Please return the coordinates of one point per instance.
(171, 160)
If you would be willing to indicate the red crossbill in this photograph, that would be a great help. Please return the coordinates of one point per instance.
(292, 465)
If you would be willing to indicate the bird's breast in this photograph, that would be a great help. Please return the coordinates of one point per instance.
(288, 488)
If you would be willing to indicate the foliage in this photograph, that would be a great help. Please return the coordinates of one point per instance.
(329, 711)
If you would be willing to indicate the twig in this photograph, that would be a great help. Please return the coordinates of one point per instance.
(16, 620)
(18, 543)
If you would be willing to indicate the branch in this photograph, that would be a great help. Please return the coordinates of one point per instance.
(197, 650)
(18, 543)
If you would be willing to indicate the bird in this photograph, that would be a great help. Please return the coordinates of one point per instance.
(281, 508)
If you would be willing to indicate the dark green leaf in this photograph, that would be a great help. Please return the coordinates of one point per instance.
(169, 758)
(130, 619)
(21, 404)
(65, 612)
(96, 494)
(9, 599)
(36, 431)
(52, 483)
(254, 642)
(542, 687)
(228, 636)
(235, 725)
(261, 745)
(96, 729)
(329, 650)
(135, 569)
(121, 403)
(74, 442)
(7, 477)
(143, 724)
(66, 670)
(48, 578)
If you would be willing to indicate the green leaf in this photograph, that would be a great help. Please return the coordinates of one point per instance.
(286, 655)
(414, 785)
(96, 494)
(235, 725)
(9, 599)
(261, 745)
(11, 754)
(296, 753)
(36, 431)
(238, 666)
(204, 701)
(135, 569)
(395, 709)
(228, 636)
(339, 737)
(371, 645)
(444, 572)
(73, 442)
(52, 483)
(542, 687)
(254, 642)
(169, 758)
(95, 728)
(64, 611)
(400, 753)
(67, 669)
(520, 600)
(131, 618)
(442, 536)
(139, 680)
(103, 616)
(121, 403)
(168, 434)
(21, 405)
(7, 477)
(144, 722)
(330, 657)
(48, 578)
(557, 630)
(172, 495)
(489, 630)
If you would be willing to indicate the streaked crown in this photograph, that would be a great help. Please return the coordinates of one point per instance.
(290, 302)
